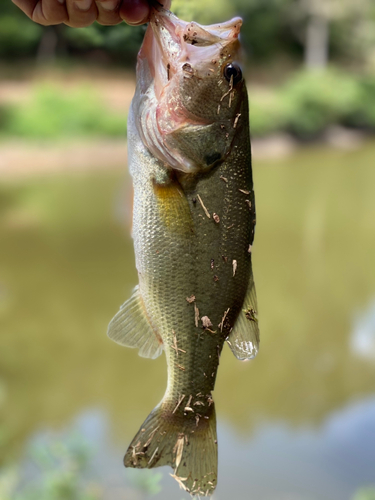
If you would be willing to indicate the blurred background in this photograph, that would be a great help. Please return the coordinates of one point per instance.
(297, 423)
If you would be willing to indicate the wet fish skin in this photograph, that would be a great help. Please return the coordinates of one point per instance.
(193, 224)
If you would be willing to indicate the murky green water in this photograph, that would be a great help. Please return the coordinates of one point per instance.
(66, 264)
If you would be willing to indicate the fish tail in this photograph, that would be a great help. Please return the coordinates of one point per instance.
(185, 441)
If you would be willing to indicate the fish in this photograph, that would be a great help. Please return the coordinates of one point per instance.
(193, 228)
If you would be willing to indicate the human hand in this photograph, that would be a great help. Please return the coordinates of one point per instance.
(80, 13)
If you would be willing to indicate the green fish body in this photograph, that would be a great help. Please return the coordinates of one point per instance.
(193, 228)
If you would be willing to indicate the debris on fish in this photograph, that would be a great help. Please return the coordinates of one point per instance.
(190, 160)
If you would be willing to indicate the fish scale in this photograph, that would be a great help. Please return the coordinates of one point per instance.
(168, 263)
(193, 227)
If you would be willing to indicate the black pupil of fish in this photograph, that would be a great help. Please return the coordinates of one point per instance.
(233, 70)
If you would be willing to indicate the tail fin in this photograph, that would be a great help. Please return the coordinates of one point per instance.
(186, 442)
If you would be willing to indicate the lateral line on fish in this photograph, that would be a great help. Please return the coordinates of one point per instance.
(203, 206)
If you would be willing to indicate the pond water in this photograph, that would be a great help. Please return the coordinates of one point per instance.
(297, 423)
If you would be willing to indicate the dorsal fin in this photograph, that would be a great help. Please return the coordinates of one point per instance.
(244, 337)
(131, 328)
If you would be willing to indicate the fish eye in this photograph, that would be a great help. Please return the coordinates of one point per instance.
(232, 70)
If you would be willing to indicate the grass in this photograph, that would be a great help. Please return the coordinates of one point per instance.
(53, 114)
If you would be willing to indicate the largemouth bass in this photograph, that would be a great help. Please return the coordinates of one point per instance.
(193, 230)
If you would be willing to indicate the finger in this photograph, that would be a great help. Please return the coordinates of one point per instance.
(166, 4)
(43, 11)
(27, 6)
(108, 12)
(134, 11)
(81, 13)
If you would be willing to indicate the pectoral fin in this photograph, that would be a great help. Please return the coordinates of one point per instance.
(173, 208)
(131, 328)
(244, 337)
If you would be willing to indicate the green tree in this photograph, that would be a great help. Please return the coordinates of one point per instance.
(207, 12)
(19, 36)
(315, 20)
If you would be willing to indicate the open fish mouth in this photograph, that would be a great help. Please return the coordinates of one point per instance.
(189, 90)
(175, 43)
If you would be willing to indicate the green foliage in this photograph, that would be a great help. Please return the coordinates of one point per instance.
(121, 42)
(272, 28)
(316, 99)
(265, 32)
(18, 36)
(363, 113)
(52, 114)
(145, 481)
(207, 12)
(58, 475)
(311, 101)
(61, 470)
(84, 38)
(267, 112)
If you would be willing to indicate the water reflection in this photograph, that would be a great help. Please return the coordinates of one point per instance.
(66, 265)
(277, 463)
(282, 462)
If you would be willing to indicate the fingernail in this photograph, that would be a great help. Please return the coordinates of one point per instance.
(109, 5)
(137, 23)
(83, 4)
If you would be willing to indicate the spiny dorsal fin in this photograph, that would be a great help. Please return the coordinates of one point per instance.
(131, 328)
(244, 337)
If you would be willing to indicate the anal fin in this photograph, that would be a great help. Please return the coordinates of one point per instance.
(244, 337)
(131, 328)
